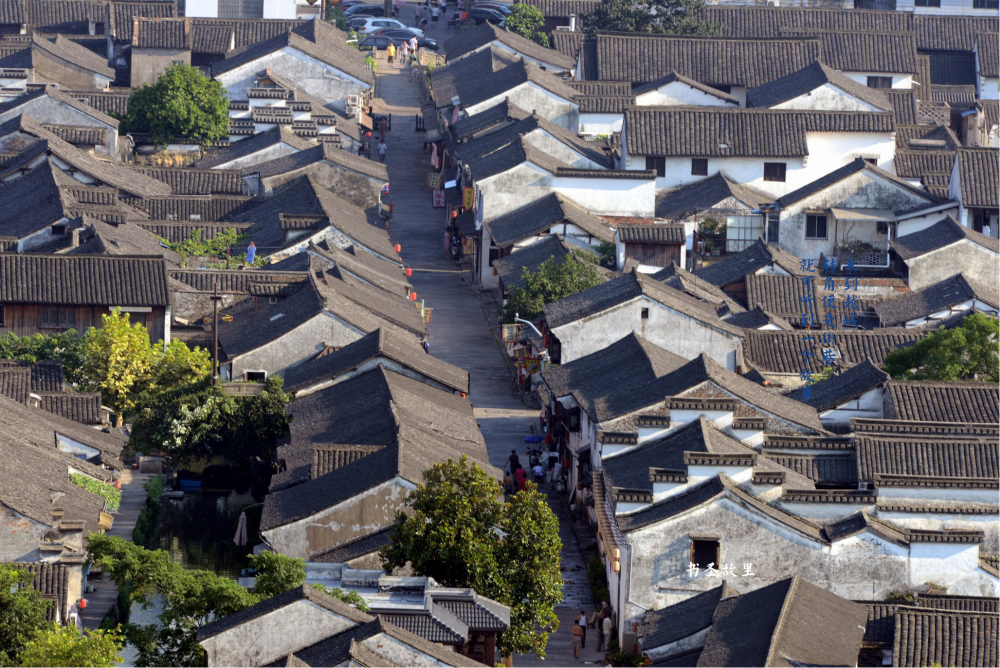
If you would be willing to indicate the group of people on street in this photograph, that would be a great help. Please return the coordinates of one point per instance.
(516, 480)
(600, 620)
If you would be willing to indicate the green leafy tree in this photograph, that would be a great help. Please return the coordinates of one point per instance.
(116, 361)
(65, 646)
(191, 598)
(182, 103)
(277, 573)
(65, 347)
(22, 613)
(966, 352)
(553, 280)
(449, 532)
(350, 597)
(526, 21)
(671, 17)
(175, 365)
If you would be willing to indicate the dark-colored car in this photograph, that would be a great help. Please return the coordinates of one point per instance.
(501, 7)
(379, 42)
(482, 14)
(368, 10)
(405, 35)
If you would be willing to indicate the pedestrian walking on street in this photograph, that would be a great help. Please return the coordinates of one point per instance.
(435, 14)
(381, 151)
(577, 639)
(414, 46)
(508, 487)
(514, 461)
(404, 54)
(391, 53)
(582, 623)
(606, 633)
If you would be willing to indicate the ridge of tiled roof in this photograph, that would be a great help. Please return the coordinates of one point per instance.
(665, 233)
(679, 203)
(354, 548)
(977, 171)
(191, 181)
(748, 261)
(682, 279)
(488, 118)
(935, 401)
(484, 145)
(120, 17)
(120, 239)
(248, 31)
(854, 167)
(884, 458)
(381, 273)
(32, 202)
(913, 164)
(510, 156)
(561, 8)
(324, 151)
(843, 387)
(250, 145)
(940, 296)
(729, 133)
(440, 626)
(55, 93)
(494, 83)
(812, 76)
(714, 61)
(404, 349)
(756, 318)
(485, 33)
(68, 50)
(161, 33)
(942, 233)
(781, 351)
(541, 214)
(362, 305)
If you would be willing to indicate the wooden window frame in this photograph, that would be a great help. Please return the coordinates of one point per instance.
(770, 169)
(693, 549)
(879, 80)
(826, 226)
(699, 166)
(658, 164)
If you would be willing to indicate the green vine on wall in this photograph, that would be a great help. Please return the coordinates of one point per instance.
(109, 493)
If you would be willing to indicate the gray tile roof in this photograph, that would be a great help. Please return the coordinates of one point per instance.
(674, 76)
(31, 203)
(757, 318)
(681, 620)
(189, 181)
(683, 280)
(52, 582)
(485, 33)
(251, 145)
(492, 84)
(913, 164)
(404, 349)
(100, 238)
(161, 33)
(856, 51)
(618, 89)
(440, 626)
(216, 40)
(882, 457)
(880, 627)
(248, 31)
(712, 61)
(956, 602)
(511, 267)
(756, 256)
(940, 133)
(828, 470)
(784, 296)
(951, 33)
(935, 401)
(567, 43)
(716, 132)
(944, 637)
(477, 611)
(781, 352)
(324, 152)
(175, 231)
(300, 593)
(66, 49)
(938, 297)
(482, 146)
(651, 233)
(15, 382)
(629, 286)
(79, 134)
(479, 65)
(789, 623)
(381, 273)
(499, 114)
(83, 280)
(988, 48)
(845, 386)
(904, 105)
(510, 156)
(321, 41)
(537, 217)
(679, 203)
(943, 233)
(83, 407)
(952, 69)
(411, 425)
(368, 544)
(977, 171)
(561, 8)
(809, 78)
(70, 100)
(120, 17)
(115, 100)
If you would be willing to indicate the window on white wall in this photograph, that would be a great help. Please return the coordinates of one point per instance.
(742, 232)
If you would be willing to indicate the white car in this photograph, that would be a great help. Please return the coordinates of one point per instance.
(377, 23)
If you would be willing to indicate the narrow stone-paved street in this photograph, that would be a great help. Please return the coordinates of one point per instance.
(459, 330)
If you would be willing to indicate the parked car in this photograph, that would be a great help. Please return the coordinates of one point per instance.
(501, 7)
(368, 10)
(379, 42)
(422, 42)
(483, 14)
(353, 22)
(378, 24)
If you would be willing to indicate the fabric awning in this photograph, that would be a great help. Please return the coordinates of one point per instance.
(864, 215)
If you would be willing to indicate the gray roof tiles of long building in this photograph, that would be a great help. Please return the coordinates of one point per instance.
(932, 299)
(755, 257)
(935, 401)
(679, 203)
(977, 174)
(712, 61)
(251, 145)
(896, 455)
(781, 351)
(540, 215)
(843, 387)
(491, 84)
(855, 51)
(939, 235)
(953, 638)
(83, 280)
(717, 132)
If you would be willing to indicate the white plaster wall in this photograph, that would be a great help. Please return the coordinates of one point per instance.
(947, 8)
(826, 98)
(939, 493)
(917, 223)
(669, 329)
(600, 124)
(541, 139)
(822, 511)
(989, 88)
(954, 566)
(202, 8)
(398, 653)
(260, 641)
(963, 257)
(899, 80)
(45, 109)
(315, 77)
(278, 150)
(868, 405)
(679, 93)
(279, 9)
(390, 364)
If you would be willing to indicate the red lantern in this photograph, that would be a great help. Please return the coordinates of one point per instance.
(83, 604)
(462, 394)
(398, 248)
(413, 296)
(409, 272)
(548, 439)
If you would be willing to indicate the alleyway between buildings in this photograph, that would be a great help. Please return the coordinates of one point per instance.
(460, 332)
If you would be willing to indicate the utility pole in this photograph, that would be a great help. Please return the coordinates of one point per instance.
(215, 331)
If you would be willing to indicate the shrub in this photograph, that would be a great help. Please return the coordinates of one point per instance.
(112, 497)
